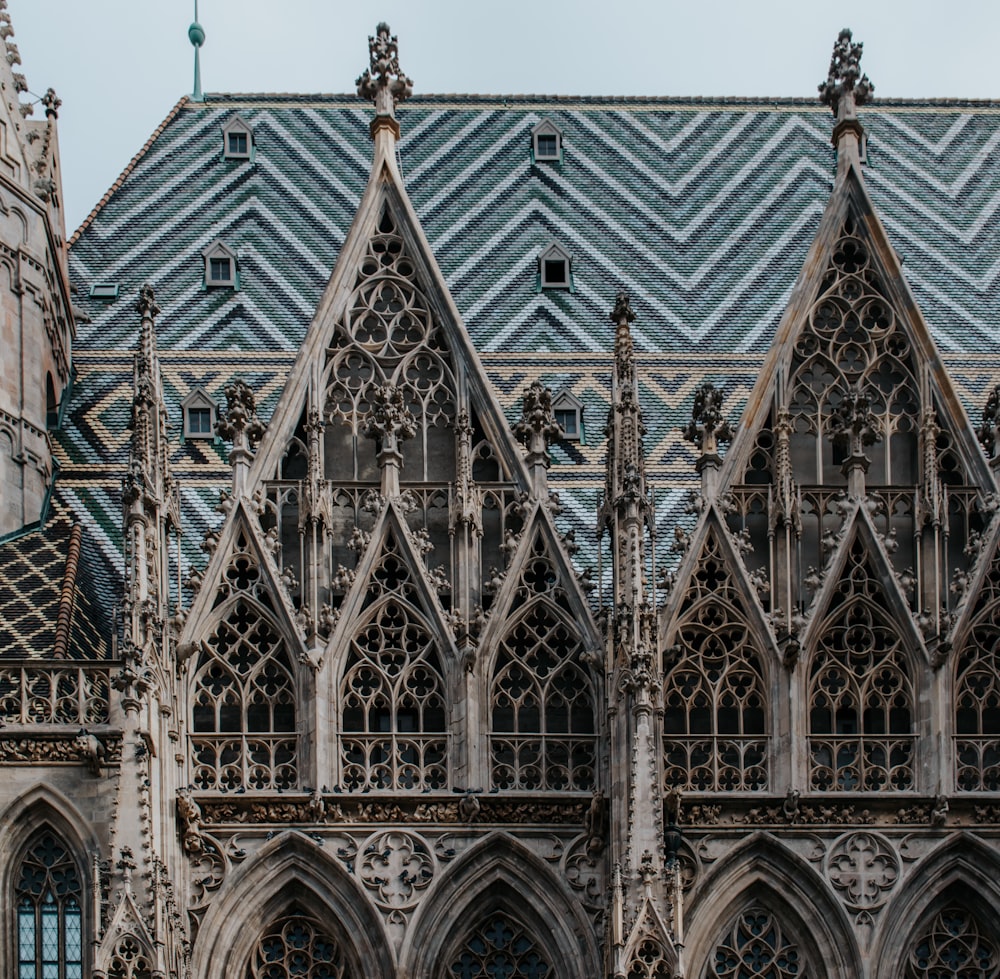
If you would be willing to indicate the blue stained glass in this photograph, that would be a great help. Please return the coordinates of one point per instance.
(50, 971)
(73, 943)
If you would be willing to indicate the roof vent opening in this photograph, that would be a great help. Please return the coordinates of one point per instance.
(555, 268)
(237, 139)
(546, 142)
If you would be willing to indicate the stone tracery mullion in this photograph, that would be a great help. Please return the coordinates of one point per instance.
(716, 709)
(861, 697)
(953, 945)
(755, 947)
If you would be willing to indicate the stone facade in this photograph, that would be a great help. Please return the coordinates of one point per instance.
(388, 728)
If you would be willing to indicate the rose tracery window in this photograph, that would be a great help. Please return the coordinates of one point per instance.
(953, 947)
(394, 719)
(977, 698)
(48, 897)
(296, 946)
(542, 731)
(650, 961)
(755, 947)
(860, 693)
(715, 721)
(243, 713)
(500, 948)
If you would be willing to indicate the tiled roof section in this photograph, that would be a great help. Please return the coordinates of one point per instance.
(704, 209)
(51, 594)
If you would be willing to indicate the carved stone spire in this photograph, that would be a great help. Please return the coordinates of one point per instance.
(535, 428)
(707, 428)
(844, 90)
(390, 423)
(240, 425)
(383, 82)
(148, 493)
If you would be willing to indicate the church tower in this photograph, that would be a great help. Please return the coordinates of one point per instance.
(36, 323)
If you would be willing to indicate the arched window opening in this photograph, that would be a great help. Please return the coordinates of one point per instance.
(500, 947)
(953, 946)
(394, 719)
(860, 693)
(542, 707)
(297, 945)
(715, 723)
(51, 404)
(49, 916)
(243, 713)
(755, 946)
(977, 708)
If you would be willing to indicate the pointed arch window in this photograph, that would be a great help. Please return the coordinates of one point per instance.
(393, 711)
(650, 961)
(861, 699)
(977, 710)
(715, 720)
(542, 733)
(243, 696)
(755, 946)
(48, 898)
(500, 946)
(130, 961)
(953, 946)
(296, 945)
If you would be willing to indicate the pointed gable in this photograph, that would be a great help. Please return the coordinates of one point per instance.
(854, 401)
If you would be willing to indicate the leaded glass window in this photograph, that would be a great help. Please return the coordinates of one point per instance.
(296, 947)
(860, 694)
(48, 898)
(500, 948)
(953, 947)
(715, 720)
(756, 947)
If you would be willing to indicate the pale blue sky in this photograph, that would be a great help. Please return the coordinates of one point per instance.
(120, 65)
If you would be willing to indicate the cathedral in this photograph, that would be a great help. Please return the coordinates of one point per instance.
(503, 537)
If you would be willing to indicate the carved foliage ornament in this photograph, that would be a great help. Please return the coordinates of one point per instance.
(844, 77)
(383, 74)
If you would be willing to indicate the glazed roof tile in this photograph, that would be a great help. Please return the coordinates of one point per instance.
(703, 209)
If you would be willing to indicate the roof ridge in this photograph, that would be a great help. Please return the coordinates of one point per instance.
(130, 166)
(67, 596)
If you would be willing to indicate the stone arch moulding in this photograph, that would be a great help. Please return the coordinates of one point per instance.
(500, 874)
(963, 870)
(761, 870)
(27, 815)
(289, 871)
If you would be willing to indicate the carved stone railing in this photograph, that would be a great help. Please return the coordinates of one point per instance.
(530, 762)
(55, 693)
(715, 764)
(862, 764)
(394, 761)
(248, 762)
(977, 764)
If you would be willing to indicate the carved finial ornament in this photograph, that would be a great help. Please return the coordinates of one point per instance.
(537, 417)
(708, 425)
(845, 87)
(987, 432)
(146, 304)
(384, 82)
(240, 416)
(51, 103)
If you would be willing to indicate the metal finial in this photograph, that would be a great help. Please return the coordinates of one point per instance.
(845, 86)
(196, 35)
(383, 82)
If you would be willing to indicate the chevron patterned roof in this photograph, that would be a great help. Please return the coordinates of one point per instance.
(703, 209)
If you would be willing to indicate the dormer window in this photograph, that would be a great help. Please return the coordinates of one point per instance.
(237, 139)
(554, 268)
(220, 267)
(546, 142)
(568, 411)
(199, 415)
